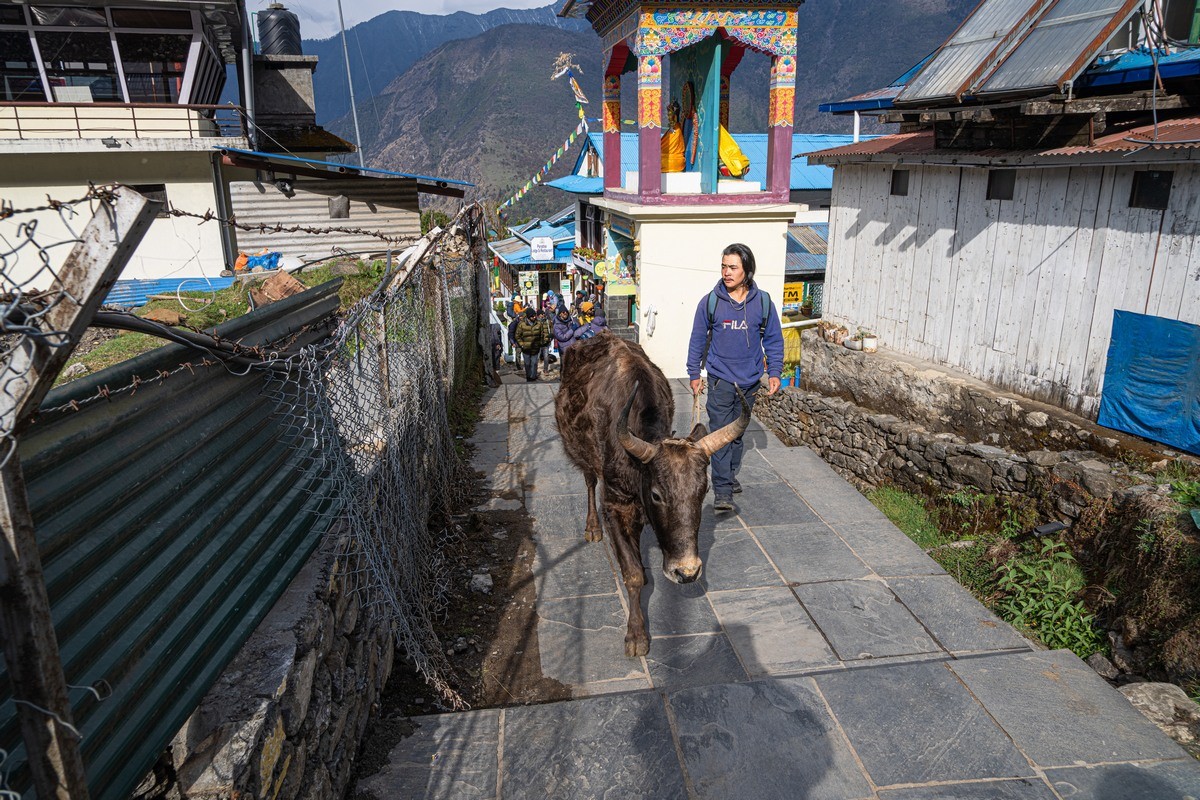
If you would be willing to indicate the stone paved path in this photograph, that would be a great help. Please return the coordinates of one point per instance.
(822, 656)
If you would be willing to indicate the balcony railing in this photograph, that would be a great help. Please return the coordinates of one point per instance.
(119, 120)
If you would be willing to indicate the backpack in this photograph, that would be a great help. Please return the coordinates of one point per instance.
(711, 308)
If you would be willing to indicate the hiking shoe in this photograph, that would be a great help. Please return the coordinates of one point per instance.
(737, 487)
(723, 504)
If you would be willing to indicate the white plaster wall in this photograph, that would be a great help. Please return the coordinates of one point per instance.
(680, 262)
(171, 248)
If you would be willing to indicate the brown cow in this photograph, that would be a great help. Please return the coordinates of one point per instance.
(614, 413)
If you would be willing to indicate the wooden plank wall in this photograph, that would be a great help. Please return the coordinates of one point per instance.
(1021, 292)
(376, 204)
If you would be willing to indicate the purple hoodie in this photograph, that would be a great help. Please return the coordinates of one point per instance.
(736, 351)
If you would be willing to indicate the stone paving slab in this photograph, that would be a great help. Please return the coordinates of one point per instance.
(764, 740)
(599, 747)
(1163, 780)
(449, 757)
(1018, 789)
(581, 640)
(953, 615)
(677, 662)
(863, 619)
(771, 632)
(917, 723)
(823, 656)
(1067, 714)
(810, 552)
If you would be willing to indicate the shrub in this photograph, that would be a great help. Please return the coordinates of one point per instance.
(1042, 597)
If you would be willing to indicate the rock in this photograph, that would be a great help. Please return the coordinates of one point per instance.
(500, 504)
(501, 535)
(165, 316)
(1103, 667)
(481, 582)
(1037, 419)
(968, 469)
(1168, 707)
(987, 451)
(1043, 458)
(75, 371)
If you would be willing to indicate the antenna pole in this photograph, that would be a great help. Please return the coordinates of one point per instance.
(350, 82)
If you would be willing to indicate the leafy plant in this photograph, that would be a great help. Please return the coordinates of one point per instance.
(862, 333)
(1042, 596)
(1186, 493)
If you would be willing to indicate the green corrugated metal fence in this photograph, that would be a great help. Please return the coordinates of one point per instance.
(170, 518)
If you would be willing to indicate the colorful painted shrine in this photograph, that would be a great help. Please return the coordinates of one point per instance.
(701, 43)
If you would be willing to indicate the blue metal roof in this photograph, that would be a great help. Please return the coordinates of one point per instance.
(350, 168)
(577, 184)
(1137, 66)
(128, 293)
(800, 260)
(804, 176)
(515, 250)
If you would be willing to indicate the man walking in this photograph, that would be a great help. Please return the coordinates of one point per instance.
(735, 325)
(531, 334)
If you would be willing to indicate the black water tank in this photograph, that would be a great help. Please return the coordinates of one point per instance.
(279, 32)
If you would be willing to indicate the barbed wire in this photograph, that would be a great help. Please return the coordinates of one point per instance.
(279, 227)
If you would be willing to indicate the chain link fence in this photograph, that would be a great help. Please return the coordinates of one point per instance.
(373, 406)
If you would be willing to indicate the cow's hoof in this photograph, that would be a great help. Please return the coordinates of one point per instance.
(636, 646)
(593, 534)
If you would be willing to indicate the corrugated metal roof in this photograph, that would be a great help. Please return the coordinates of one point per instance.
(169, 520)
(335, 167)
(807, 249)
(577, 184)
(1177, 134)
(1137, 67)
(129, 293)
(978, 42)
(804, 176)
(813, 237)
(1059, 46)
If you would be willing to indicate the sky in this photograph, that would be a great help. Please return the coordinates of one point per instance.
(319, 18)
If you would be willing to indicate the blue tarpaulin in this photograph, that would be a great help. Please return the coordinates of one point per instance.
(1152, 380)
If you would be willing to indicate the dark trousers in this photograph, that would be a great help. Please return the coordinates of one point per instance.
(723, 408)
(531, 366)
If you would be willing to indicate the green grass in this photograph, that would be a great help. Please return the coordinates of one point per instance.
(225, 304)
(908, 513)
(1037, 588)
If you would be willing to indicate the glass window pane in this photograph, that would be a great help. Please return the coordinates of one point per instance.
(151, 18)
(72, 17)
(154, 64)
(19, 79)
(80, 66)
(12, 16)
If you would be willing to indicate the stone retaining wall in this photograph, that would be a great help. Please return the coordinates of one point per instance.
(285, 718)
(924, 427)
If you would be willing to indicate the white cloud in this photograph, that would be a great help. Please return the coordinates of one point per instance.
(319, 18)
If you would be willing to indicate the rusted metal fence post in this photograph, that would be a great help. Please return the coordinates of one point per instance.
(30, 644)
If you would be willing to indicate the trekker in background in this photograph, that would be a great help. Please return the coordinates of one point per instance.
(595, 323)
(544, 318)
(530, 338)
(735, 325)
(515, 314)
(564, 330)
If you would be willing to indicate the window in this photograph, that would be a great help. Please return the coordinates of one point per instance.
(1001, 183)
(1151, 189)
(900, 183)
(153, 65)
(12, 16)
(80, 66)
(153, 191)
(19, 78)
(69, 17)
(591, 232)
(151, 18)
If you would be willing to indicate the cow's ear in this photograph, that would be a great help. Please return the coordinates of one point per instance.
(698, 433)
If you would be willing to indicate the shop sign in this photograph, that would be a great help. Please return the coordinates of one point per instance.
(541, 248)
(793, 293)
(529, 285)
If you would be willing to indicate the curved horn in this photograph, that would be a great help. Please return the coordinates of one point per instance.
(638, 448)
(723, 436)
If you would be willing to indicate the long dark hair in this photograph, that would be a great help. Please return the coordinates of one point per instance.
(747, 256)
